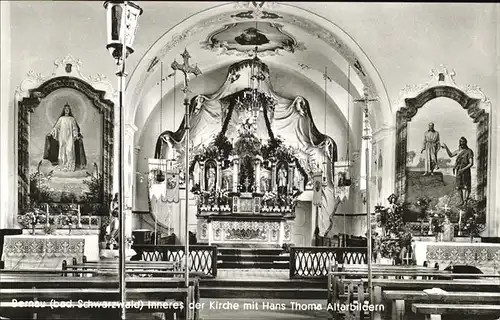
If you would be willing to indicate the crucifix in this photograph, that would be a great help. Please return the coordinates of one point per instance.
(186, 69)
(247, 184)
(366, 136)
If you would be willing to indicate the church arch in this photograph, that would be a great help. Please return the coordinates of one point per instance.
(316, 26)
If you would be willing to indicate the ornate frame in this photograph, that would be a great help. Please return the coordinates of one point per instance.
(469, 97)
(30, 94)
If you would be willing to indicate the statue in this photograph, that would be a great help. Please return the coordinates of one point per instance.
(112, 230)
(431, 147)
(463, 163)
(211, 179)
(282, 177)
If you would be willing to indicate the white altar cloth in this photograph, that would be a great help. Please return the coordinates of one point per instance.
(48, 251)
(485, 256)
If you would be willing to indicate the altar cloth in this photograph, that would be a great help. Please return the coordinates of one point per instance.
(484, 256)
(48, 251)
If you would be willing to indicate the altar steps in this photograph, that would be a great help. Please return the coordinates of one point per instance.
(268, 289)
(252, 258)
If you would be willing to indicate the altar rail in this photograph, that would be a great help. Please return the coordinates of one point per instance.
(313, 262)
(203, 258)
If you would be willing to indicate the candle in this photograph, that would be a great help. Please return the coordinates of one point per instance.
(47, 214)
(79, 218)
(460, 222)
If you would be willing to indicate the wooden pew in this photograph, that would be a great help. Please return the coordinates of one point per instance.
(379, 285)
(398, 299)
(36, 288)
(434, 311)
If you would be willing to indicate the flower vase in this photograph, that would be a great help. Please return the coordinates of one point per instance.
(69, 229)
(440, 236)
(33, 230)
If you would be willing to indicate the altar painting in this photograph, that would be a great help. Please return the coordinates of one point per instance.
(65, 149)
(431, 172)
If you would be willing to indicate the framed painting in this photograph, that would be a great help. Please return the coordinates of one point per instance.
(65, 145)
(439, 157)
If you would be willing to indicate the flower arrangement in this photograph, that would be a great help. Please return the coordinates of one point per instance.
(473, 220)
(31, 218)
(68, 219)
(395, 235)
(423, 204)
(439, 219)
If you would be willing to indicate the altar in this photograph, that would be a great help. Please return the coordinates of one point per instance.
(48, 251)
(253, 154)
(484, 256)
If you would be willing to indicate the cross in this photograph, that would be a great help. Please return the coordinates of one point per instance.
(365, 100)
(247, 184)
(446, 208)
(186, 69)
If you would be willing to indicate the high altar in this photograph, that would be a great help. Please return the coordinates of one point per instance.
(252, 155)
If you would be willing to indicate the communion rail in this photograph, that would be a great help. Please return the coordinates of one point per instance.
(313, 262)
(202, 258)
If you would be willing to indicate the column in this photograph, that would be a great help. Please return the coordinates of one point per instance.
(8, 124)
(257, 162)
(236, 161)
(219, 175)
(274, 185)
(493, 209)
(202, 175)
(129, 175)
(291, 178)
(384, 141)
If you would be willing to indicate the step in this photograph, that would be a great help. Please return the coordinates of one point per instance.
(263, 292)
(249, 246)
(266, 252)
(297, 284)
(253, 265)
(251, 257)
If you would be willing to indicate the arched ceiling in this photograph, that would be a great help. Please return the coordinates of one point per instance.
(286, 36)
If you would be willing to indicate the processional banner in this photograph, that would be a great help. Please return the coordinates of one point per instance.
(317, 189)
(163, 181)
(342, 179)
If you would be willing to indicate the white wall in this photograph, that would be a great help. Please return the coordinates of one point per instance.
(7, 119)
(403, 40)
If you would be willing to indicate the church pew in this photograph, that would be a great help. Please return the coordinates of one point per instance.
(379, 285)
(434, 311)
(398, 299)
(170, 309)
(96, 289)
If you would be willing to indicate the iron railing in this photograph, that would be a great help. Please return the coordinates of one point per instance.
(203, 258)
(314, 262)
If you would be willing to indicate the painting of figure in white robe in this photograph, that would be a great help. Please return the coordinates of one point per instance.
(65, 149)
(64, 145)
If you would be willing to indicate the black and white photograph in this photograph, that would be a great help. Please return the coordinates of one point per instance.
(249, 160)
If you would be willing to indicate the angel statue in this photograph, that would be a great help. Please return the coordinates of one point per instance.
(113, 229)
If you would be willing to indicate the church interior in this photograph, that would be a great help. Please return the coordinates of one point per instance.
(272, 160)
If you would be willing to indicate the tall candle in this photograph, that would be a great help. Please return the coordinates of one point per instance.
(79, 218)
(47, 215)
(460, 222)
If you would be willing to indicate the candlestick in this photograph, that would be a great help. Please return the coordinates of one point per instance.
(47, 215)
(460, 222)
(79, 225)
